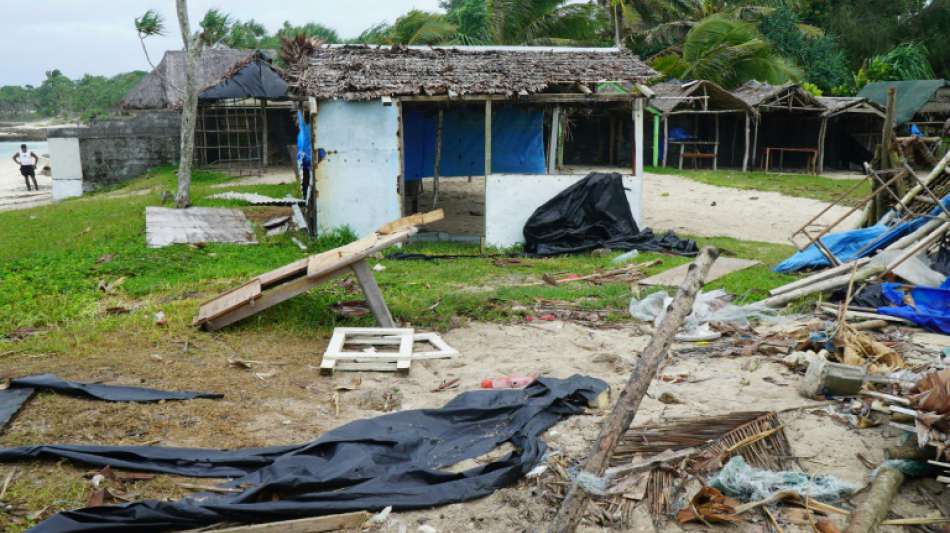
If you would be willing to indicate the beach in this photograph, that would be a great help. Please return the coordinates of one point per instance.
(13, 193)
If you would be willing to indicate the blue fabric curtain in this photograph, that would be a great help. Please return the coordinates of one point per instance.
(517, 142)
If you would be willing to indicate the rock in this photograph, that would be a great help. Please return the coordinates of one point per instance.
(384, 400)
(601, 252)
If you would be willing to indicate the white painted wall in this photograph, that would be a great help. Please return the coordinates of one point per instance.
(510, 199)
(358, 181)
(66, 163)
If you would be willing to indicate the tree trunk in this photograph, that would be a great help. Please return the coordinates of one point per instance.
(574, 506)
(189, 107)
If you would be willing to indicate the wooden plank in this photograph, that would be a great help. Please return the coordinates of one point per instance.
(292, 270)
(229, 301)
(721, 268)
(418, 219)
(374, 297)
(345, 256)
(318, 524)
(334, 356)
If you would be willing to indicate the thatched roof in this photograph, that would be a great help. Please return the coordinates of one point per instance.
(758, 94)
(695, 95)
(835, 105)
(162, 88)
(366, 73)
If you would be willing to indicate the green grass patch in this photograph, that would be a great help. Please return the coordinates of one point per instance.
(801, 185)
(54, 259)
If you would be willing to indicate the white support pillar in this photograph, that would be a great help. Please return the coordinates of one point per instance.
(555, 140)
(638, 137)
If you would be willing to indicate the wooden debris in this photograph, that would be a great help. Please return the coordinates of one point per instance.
(872, 511)
(381, 361)
(720, 269)
(418, 219)
(574, 506)
(196, 225)
(318, 524)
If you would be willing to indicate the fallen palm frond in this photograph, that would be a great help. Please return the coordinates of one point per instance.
(706, 443)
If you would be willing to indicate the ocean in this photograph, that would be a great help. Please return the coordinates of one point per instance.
(8, 148)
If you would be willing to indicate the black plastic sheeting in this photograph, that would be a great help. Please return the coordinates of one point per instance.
(257, 79)
(594, 213)
(20, 390)
(393, 460)
(941, 261)
(870, 295)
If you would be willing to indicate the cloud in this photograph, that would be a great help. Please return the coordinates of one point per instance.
(97, 37)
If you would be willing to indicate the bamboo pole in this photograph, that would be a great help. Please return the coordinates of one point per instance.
(745, 157)
(934, 174)
(618, 421)
(875, 507)
(553, 142)
(666, 139)
(823, 285)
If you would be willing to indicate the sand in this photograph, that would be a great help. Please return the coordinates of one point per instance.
(13, 193)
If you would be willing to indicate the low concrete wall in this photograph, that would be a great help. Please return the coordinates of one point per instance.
(117, 149)
(510, 199)
(67, 172)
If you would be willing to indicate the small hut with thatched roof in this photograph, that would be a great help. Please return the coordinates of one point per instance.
(853, 127)
(524, 119)
(701, 121)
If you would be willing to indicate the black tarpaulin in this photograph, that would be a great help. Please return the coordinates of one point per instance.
(20, 390)
(257, 79)
(397, 460)
(594, 213)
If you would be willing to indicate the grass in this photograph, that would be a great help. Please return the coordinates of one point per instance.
(801, 185)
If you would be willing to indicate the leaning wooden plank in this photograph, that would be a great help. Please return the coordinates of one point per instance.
(269, 299)
(295, 269)
(818, 276)
(374, 297)
(347, 255)
(228, 301)
(418, 219)
(722, 268)
(319, 524)
(823, 285)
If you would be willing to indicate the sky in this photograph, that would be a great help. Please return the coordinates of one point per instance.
(98, 37)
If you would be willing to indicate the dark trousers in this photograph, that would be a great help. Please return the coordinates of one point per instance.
(28, 172)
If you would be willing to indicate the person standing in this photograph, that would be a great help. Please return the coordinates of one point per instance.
(27, 161)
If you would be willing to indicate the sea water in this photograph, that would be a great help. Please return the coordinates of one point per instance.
(8, 148)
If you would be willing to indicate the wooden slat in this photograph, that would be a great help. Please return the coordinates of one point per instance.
(374, 297)
(351, 253)
(229, 301)
(319, 524)
(418, 219)
(288, 271)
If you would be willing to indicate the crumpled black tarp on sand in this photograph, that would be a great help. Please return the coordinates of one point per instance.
(594, 213)
(392, 460)
(20, 390)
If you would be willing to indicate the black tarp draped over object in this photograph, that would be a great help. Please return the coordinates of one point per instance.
(397, 460)
(19, 391)
(258, 79)
(594, 213)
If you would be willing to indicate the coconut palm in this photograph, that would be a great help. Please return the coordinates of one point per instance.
(728, 52)
(539, 22)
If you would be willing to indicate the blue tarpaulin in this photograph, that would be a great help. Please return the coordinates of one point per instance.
(517, 142)
(928, 308)
(855, 244)
(304, 152)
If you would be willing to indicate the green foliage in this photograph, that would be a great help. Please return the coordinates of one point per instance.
(215, 26)
(60, 96)
(548, 22)
(422, 27)
(728, 52)
(907, 61)
(820, 58)
(150, 24)
(812, 88)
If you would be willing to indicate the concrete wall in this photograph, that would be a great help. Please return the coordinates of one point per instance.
(117, 149)
(64, 152)
(510, 199)
(357, 183)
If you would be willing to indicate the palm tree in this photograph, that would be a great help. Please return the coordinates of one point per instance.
(728, 52)
(547, 22)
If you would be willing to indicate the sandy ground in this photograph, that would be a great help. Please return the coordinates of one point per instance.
(293, 403)
(13, 193)
(669, 203)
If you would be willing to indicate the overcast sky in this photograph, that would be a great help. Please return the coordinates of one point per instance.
(98, 37)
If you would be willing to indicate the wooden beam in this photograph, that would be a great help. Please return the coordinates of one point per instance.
(418, 219)
(638, 137)
(822, 134)
(666, 139)
(716, 146)
(374, 297)
(488, 138)
(264, 148)
(563, 98)
(437, 164)
(745, 156)
(320, 524)
(656, 139)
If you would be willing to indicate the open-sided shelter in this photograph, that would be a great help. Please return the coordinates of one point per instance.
(524, 118)
(245, 120)
(922, 103)
(701, 121)
(852, 127)
(789, 126)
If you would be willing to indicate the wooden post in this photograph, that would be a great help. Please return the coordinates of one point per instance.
(401, 181)
(264, 134)
(437, 163)
(364, 274)
(869, 515)
(745, 157)
(313, 213)
(822, 134)
(552, 143)
(561, 134)
(755, 139)
(638, 136)
(666, 138)
(574, 506)
(488, 134)
(656, 139)
(716, 146)
(611, 141)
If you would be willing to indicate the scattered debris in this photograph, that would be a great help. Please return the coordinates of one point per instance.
(194, 225)
(380, 349)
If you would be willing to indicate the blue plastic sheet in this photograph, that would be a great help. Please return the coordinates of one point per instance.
(855, 244)
(304, 152)
(930, 308)
(517, 142)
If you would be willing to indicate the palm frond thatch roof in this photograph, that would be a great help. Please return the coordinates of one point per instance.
(695, 95)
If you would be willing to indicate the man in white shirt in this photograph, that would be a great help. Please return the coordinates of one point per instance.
(27, 161)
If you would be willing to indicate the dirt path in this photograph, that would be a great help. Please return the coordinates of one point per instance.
(680, 204)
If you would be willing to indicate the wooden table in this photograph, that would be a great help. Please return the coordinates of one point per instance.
(698, 153)
(812, 157)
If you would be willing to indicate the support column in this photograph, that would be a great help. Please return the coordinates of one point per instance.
(716, 146)
(666, 139)
(638, 136)
(554, 139)
(374, 297)
(745, 157)
(656, 140)
(264, 146)
(437, 164)
(488, 130)
(822, 134)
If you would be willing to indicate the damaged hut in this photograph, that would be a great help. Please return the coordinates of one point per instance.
(921, 103)
(701, 121)
(852, 127)
(529, 121)
(790, 126)
(245, 121)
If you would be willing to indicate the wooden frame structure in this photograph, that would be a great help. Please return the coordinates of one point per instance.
(276, 286)
(791, 99)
